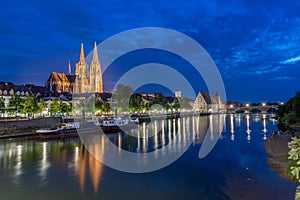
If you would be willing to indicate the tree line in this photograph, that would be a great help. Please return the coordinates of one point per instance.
(289, 114)
(31, 105)
(125, 100)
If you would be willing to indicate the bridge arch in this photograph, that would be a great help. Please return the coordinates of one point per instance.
(255, 110)
(272, 110)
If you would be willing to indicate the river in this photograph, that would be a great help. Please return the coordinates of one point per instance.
(234, 168)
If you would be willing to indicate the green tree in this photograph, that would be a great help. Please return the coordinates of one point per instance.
(290, 117)
(54, 107)
(296, 104)
(89, 105)
(42, 105)
(30, 106)
(176, 104)
(290, 112)
(159, 99)
(99, 105)
(64, 107)
(106, 107)
(15, 104)
(122, 96)
(136, 103)
(294, 164)
(2, 105)
(281, 111)
(185, 103)
(146, 106)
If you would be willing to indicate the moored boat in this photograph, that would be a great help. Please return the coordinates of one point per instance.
(49, 131)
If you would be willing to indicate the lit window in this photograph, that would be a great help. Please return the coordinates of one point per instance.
(11, 92)
(0, 91)
(22, 93)
(5, 92)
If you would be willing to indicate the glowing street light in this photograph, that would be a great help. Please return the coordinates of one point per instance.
(247, 104)
(264, 104)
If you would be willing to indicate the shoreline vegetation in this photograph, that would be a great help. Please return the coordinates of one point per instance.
(282, 149)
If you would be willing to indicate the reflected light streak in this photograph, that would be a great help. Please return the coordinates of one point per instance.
(232, 127)
(18, 167)
(44, 163)
(248, 125)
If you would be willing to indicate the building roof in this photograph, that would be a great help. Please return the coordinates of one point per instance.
(37, 90)
(206, 96)
(59, 77)
(104, 96)
(8, 86)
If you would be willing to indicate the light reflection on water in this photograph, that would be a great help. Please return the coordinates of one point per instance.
(65, 169)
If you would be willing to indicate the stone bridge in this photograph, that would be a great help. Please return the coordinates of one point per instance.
(253, 109)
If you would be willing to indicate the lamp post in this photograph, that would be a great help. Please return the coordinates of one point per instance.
(82, 110)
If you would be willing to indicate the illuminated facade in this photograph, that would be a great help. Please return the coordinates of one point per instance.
(178, 93)
(202, 102)
(93, 82)
(84, 81)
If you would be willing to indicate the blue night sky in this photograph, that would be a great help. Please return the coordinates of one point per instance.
(255, 44)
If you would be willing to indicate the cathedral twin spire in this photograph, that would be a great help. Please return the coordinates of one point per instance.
(93, 83)
(82, 59)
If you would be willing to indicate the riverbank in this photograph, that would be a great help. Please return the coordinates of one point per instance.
(277, 151)
(26, 127)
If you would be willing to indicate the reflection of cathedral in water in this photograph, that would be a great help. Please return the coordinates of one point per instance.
(86, 164)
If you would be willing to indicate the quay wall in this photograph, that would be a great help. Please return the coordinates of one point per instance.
(32, 123)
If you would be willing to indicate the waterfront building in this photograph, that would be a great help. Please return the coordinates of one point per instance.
(217, 103)
(8, 89)
(178, 93)
(203, 102)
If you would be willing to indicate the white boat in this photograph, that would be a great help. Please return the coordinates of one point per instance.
(114, 122)
(134, 119)
(72, 125)
(49, 131)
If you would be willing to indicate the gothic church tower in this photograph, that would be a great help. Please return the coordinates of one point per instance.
(82, 82)
(96, 84)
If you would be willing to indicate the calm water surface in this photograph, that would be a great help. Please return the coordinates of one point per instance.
(63, 169)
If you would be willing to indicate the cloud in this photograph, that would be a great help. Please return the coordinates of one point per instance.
(282, 78)
(291, 60)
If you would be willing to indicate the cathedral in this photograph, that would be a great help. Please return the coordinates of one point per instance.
(86, 79)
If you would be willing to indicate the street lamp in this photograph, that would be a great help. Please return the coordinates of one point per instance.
(264, 104)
